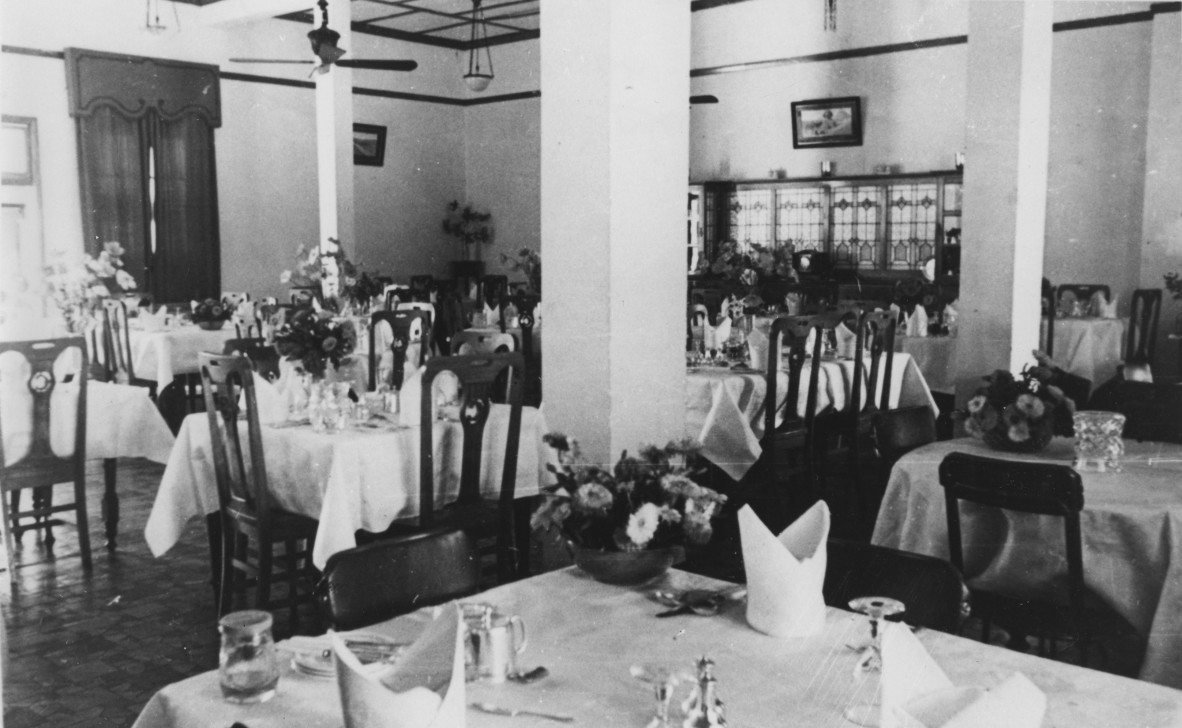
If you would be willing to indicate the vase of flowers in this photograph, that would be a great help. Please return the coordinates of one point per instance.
(746, 267)
(468, 226)
(529, 262)
(210, 314)
(631, 523)
(315, 341)
(79, 287)
(328, 276)
(1019, 415)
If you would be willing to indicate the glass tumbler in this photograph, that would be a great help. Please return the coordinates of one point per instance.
(248, 668)
(1098, 443)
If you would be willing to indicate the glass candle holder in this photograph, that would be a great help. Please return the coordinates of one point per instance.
(248, 669)
(1098, 443)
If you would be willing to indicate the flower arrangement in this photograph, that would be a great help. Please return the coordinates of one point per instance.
(211, 310)
(529, 262)
(1174, 285)
(647, 501)
(467, 225)
(313, 339)
(361, 289)
(749, 264)
(1019, 414)
(78, 287)
(335, 278)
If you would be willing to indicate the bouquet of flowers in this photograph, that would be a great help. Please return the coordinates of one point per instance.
(314, 340)
(1174, 285)
(748, 265)
(361, 289)
(647, 501)
(467, 225)
(211, 310)
(1019, 414)
(79, 287)
(529, 262)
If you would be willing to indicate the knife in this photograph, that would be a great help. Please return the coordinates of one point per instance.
(515, 712)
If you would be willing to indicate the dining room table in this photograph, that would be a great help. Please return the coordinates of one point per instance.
(935, 357)
(365, 477)
(724, 405)
(1091, 347)
(594, 639)
(1131, 524)
(163, 353)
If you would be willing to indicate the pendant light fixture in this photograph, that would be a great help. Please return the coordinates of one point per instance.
(478, 77)
(831, 15)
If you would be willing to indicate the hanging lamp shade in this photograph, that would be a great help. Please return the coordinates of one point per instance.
(478, 76)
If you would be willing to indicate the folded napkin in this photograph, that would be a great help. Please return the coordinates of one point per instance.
(757, 344)
(917, 694)
(900, 317)
(492, 315)
(271, 401)
(157, 321)
(1102, 307)
(792, 304)
(726, 437)
(917, 322)
(951, 317)
(785, 573)
(717, 336)
(410, 398)
(847, 341)
(424, 689)
(734, 307)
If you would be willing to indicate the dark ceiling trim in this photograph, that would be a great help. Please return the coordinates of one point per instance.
(403, 96)
(503, 97)
(252, 78)
(1103, 21)
(455, 45)
(1157, 8)
(831, 56)
(22, 51)
(697, 5)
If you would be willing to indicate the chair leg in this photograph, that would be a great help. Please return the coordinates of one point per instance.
(229, 579)
(83, 519)
(263, 582)
(42, 501)
(9, 540)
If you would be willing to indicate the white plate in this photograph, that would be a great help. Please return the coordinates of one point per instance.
(322, 664)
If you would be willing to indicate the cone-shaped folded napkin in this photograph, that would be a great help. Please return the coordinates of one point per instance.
(917, 322)
(847, 341)
(492, 315)
(717, 336)
(917, 694)
(1102, 307)
(757, 344)
(410, 398)
(157, 321)
(424, 689)
(785, 573)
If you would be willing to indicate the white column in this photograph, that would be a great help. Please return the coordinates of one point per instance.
(615, 169)
(334, 137)
(1007, 118)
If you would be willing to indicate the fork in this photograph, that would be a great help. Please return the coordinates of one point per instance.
(515, 712)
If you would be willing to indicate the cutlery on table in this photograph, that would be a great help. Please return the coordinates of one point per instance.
(517, 712)
(703, 602)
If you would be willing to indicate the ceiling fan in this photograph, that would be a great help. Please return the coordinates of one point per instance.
(324, 45)
(704, 99)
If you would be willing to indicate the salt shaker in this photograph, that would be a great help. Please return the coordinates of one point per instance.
(248, 668)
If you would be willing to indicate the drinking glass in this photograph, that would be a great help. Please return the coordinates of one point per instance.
(248, 669)
(1098, 443)
(870, 658)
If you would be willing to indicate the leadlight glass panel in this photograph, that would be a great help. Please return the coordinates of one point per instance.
(751, 216)
(800, 217)
(856, 212)
(709, 221)
(911, 224)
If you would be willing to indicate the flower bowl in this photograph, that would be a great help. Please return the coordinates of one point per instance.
(211, 325)
(1038, 441)
(627, 567)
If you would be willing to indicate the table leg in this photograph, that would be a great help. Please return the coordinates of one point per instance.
(110, 503)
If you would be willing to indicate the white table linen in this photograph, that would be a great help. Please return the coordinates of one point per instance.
(713, 395)
(1088, 347)
(161, 355)
(934, 357)
(589, 634)
(1132, 535)
(357, 479)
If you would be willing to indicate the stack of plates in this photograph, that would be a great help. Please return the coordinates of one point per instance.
(314, 657)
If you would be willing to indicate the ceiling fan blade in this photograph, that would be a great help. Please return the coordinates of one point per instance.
(378, 65)
(267, 60)
(704, 99)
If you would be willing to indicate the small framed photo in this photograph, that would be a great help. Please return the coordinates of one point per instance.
(18, 150)
(369, 144)
(827, 122)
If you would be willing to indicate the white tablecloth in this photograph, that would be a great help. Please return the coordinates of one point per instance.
(725, 408)
(161, 355)
(1089, 347)
(934, 357)
(1132, 534)
(589, 634)
(357, 479)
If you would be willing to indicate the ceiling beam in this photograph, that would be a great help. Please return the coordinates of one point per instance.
(229, 12)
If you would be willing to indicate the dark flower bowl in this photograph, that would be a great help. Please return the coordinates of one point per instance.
(627, 567)
(212, 325)
(1039, 439)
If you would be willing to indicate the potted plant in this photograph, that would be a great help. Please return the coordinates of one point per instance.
(631, 523)
(211, 314)
(468, 226)
(78, 288)
(1019, 415)
(529, 262)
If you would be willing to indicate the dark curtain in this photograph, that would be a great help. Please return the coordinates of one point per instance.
(187, 262)
(113, 160)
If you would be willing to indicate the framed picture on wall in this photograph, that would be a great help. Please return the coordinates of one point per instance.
(369, 144)
(827, 122)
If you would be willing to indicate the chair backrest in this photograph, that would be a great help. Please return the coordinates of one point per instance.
(877, 328)
(476, 342)
(793, 331)
(697, 314)
(1046, 489)
(117, 341)
(1082, 292)
(422, 287)
(227, 384)
(1143, 317)
(899, 431)
(397, 292)
(480, 379)
(381, 580)
(1050, 309)
(100, 367)
(1152, 410)
(449, 315)
(263, 357)
(35, 447)
(494, 290)
(527, 304)
(233, 298)
(930, 588)
(406, 326)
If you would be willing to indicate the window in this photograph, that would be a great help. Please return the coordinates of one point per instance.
(888, 224)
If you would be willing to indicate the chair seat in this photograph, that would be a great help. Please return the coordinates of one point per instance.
(1045, 613)
(285, 525)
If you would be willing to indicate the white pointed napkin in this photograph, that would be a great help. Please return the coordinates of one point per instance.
(410, 398)
(424, 689)
(1102, 308)
(917, 694)
(900, 317)
(157, 321)
(917, 322)
(847, 341)
(785, 573)
(492, 315)
(271, 402)
(951, 317)
(717, 336)
(757, 343)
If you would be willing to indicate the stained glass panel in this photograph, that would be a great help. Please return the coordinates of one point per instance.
(751, 216)
(856, 212)
(800, 217)
(911, 224)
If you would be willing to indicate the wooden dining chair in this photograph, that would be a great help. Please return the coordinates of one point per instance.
(46, 380)
(527, 304)
(422, 287)
(1141, 344)
(381, 580)
(478, 342)
(429, 309)
(930, 588)
(1082, 292)
(250, 524)
(449, 315)
(1152, 410)
(117, 347)
(263, 357)
(1056, 608)
(397, 293)
(407, 326)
